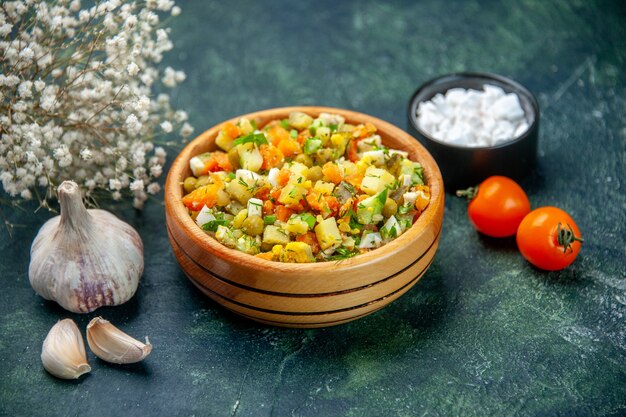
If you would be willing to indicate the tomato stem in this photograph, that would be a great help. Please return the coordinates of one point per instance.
(469, 193)
(566, 236)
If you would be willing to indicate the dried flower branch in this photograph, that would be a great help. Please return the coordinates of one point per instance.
(75, 98)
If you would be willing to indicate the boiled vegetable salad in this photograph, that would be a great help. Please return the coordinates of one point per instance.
(304, 189)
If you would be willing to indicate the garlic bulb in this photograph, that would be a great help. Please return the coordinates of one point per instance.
(85, 259)
(63, 352)
(113, 345)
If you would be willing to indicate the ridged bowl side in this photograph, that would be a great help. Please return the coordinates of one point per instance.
(304, 295)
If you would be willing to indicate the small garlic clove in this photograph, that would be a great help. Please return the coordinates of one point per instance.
(63, 351)
(113, 345)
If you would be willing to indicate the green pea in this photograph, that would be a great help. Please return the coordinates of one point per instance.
(189, 184)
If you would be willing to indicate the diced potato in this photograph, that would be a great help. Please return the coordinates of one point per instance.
(296, 225)
(323, 133)
(368, 144)
(274, 235)
(223, 199)
(299, 120)
(239, 192)
(224, 141)
(245, 126)
(340, 141)
(250, 157)
(325, 188)
(298, 252)
(376, 157)
(327, 233)
(299, 172)
(375, 180)
(349, 243)
(292, 194)
(347, 168)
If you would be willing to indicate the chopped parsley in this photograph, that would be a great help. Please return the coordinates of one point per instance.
(256, 138)
(213, 224)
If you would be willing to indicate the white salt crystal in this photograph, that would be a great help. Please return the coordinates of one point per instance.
(455, 96)
(473, 118)
(507, 107)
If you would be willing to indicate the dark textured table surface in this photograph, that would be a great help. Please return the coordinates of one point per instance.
(483, 333)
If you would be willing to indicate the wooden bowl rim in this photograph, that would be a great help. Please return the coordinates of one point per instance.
(176, 211)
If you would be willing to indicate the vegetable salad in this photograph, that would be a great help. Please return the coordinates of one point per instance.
(304, 189)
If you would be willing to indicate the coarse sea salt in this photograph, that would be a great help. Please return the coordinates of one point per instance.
(473, 118)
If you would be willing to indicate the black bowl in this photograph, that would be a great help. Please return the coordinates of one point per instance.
(463, 167)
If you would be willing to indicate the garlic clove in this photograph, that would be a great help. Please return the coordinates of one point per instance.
(63, 351)
(113, 345)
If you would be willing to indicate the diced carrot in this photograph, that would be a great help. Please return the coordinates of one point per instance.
(265, 255)
(315, 200)
(222, 161)
(303, 136)
(283, 177)
(217, 161)
(310, 239)
(272, 156)
(296, 207)
(332, 172)
(355, 179)
(262, 193)
(325, 204)
(268, 207)
(364, 131)
(332, 205)
(275, 194)
(289, 147)
(231, 130)
(203, 196)
(210, 165)
(352, 151)
(283, 213)
(277, 134)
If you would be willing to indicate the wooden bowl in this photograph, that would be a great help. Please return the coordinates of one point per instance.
(304, 295)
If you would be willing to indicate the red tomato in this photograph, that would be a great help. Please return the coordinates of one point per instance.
(549, 238)
(497, 207)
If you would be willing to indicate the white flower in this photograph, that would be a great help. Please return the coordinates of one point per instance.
(92, 122)
(26, 194)
(25, 89)
(132, 69)
(27, 54)
(133, 125)
(156, 170)
(136, 185)
(153, 188)
(86, 154)
(166, 126)
(5, 29)
(186, 130)
(169, 77)
(39, 85)
(115, 184)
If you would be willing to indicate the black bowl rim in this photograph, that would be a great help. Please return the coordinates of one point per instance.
(412, 107)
